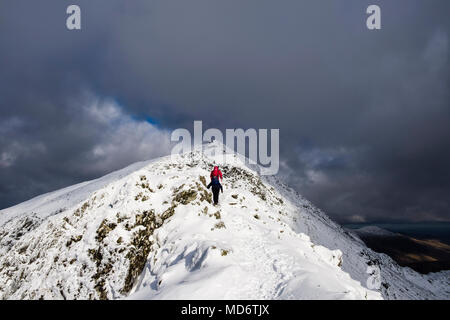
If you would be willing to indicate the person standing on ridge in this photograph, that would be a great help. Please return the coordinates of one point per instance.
(215, 183)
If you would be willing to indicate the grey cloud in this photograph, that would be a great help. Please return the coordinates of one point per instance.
(95, 137)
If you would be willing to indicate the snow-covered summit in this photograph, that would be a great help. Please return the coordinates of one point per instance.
(150, 231)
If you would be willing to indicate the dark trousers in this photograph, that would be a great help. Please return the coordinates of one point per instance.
(215, 191)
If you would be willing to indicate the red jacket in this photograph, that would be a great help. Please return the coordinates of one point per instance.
(216, 173)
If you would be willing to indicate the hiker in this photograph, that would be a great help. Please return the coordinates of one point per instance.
(215, 183)
(216, 187)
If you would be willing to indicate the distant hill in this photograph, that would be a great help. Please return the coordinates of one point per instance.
(422, 255)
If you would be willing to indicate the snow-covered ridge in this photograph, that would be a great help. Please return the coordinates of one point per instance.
(149, 231)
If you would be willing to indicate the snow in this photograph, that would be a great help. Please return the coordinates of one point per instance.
(149, 231)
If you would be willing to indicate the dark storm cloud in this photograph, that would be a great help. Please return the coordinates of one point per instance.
(363, 115)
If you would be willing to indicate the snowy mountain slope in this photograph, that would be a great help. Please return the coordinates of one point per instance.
(149, 231)
(56, 201)
(358, 260)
